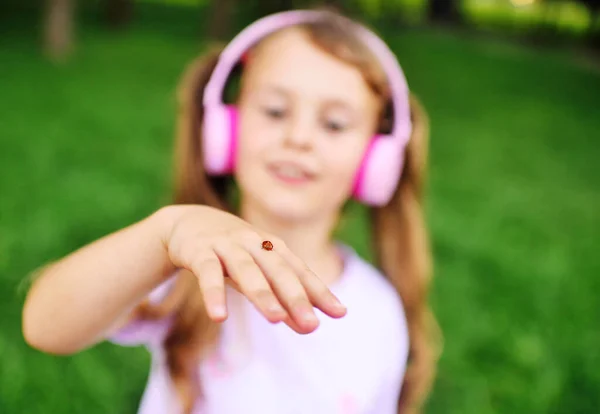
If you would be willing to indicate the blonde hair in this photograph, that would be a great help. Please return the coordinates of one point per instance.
(400, 238)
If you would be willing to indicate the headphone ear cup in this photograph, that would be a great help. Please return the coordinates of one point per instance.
(219, 139)
(379, 171)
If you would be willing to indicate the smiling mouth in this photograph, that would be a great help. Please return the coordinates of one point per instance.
(290, 173)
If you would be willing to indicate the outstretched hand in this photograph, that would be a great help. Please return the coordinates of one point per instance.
(219, 248)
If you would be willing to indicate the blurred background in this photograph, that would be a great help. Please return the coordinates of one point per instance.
(87, 110)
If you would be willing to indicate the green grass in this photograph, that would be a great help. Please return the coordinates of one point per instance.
(513, 207)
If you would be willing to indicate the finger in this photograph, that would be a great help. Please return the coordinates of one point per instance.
(250, 280)
(287, 287)
(294, 326)
(230, 282)
(209, 271)
(286, 319)
(318, 292)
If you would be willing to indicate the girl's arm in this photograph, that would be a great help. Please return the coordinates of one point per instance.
(76, 301)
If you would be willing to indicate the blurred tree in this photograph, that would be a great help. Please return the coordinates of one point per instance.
(593, 7)
(340, 5)
(548, 28)
(119, 13)
(220, 24)
(444, 11)
(553, 10)
(266, 7)
(230, 15)
(58, 28)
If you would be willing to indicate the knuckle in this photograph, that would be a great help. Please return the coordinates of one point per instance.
(283, 267)
(284, 271)
(250, 236)
(184, 251)
(277, 242)
(311, 277)
(201, 261)
(212, 289)
(205, 256)
(175, 248)
(221, 242)
(300, 301)
(246, 266)
(284, 277)
(321, 291)
(260, 293)
(202, 240)
(187, 247)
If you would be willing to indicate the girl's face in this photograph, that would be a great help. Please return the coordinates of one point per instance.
(305, 120)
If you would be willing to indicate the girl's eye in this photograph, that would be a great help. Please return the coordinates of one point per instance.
(334, 126)
(274, 113)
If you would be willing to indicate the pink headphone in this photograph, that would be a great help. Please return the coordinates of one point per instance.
(381, 167)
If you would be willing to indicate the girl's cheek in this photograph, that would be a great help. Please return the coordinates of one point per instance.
(342, 162)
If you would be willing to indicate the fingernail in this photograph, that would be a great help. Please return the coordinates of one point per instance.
(309, 317)
(219, 311)
(336, 302)
(339, 306)
(275, 308)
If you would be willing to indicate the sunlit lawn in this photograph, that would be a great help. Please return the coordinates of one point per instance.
(513, 207)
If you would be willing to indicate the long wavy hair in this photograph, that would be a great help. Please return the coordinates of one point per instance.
(399, 236)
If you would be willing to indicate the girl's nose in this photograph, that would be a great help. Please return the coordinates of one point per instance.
(300, 131)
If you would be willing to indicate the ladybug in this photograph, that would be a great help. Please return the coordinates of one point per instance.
(267, 245)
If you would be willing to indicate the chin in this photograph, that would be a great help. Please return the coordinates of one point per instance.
(288, 203)
(290, 210)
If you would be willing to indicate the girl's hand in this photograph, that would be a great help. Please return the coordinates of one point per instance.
(220, 248)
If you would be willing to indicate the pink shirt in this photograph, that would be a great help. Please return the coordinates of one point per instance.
(352, 365)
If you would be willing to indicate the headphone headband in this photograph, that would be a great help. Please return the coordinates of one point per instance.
(234, 51)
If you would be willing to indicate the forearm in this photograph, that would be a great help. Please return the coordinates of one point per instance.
(77, 299)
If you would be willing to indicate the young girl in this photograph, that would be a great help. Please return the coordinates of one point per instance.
(205, 286)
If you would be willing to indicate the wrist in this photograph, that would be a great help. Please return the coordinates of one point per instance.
(163, 220)
(159, 227)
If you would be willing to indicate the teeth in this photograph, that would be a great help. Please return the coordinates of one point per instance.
(290, 171)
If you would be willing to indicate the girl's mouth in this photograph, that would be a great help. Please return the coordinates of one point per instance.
(290, 173)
